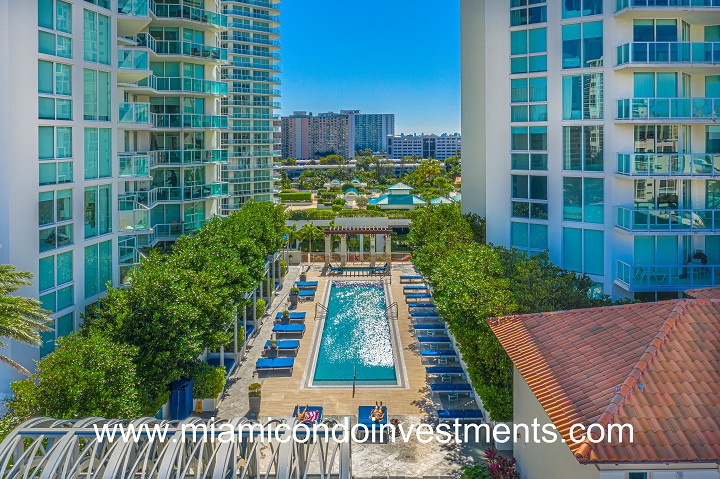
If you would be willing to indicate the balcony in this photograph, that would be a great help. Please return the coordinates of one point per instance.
(176, 15)
(255, 129)
(173, 231)
(701, 55)
(251, 103)
(134, 115)
(246, 167)
(182, 48)
(255, 91)
(252, 78)
(639, 278)
(669, 221)
(244, 141)
(662, 165)
(251, 39)
(133, 16)
(255, 3)
(251, 154)
(671, 110)
(179, 194)
(189, 121)
(253, 53)
(238, 12)
(691, 11)
(254, 28)
(134, 217)
(161, 158)
(133, 64)
(184, 85)
(134, 165)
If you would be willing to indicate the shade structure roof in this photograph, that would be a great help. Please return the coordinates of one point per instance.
(358, 230)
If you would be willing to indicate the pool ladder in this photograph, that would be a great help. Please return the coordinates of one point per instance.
(320, 311)
(392, 311)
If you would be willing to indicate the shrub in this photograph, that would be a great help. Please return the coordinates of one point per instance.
(208, 381)
(254, 390)
(260, 308)
(294, 291)
(494, 466)
(296, 196)
(338, 202)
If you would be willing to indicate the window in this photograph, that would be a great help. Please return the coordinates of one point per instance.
(526, 12)
(582, 45)
(528, 50)
(63, 326)
(532, 189)
(98, 210)
(583, 251)
(583, 199)
(55, 273)
(58, 18)
(655, 30)
(581, 8)
(583, 148)
(56, 173)
(54, 78)
(583, 97)
(657, 139)
(527, 161)
(100, 3)
(54, 142)
(54, 207)
(96, 37)
(98, 268)
(52, 44)
(712, 139)
(655, 85)
(98, 153)
(96, 95)
(638, 475)
(533, 138)
(529, 236)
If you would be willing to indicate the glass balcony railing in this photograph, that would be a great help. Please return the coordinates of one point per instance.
(187, 157)
(251, 39)
(254, 91)
(177, 47)
(237, 12)
(134, 165)
(253, 53)
(187, 85)
(257, 3)
(246, 166)
(658, 220)
(255, 28)
(252, 78)
(135, 8)
(243, 141)
(214, 122)
(255, 65)
(133, 216)
(163, 194)
(668, 164)
(668, 52)
(668, 109)
(174, 231)
(252, 103)
(673, 277)
(134, 112)
(623, 4)
(193, 14)
(133, 59)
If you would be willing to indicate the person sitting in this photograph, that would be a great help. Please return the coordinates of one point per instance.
(377, 413)
(302, 413)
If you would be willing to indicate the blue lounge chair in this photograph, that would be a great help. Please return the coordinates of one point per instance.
(408, 297)
(287, 345)
(438, 353)
(444, 371)
(364, 419)
(380, 269)
(434, 340)
(423, 314)
(306, 293)
(450, 388)
(429, 327)
(411, 287)
(427, 305)
(335, 269)
(410, 277)
(460, 414)
(306, 284)
(289, 329)
(314, 413)
(275, 364)
(293, 315)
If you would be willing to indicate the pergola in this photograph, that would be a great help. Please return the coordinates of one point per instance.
(361, 231)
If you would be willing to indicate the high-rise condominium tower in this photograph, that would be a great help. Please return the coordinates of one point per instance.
(590, 130)
(112, 137)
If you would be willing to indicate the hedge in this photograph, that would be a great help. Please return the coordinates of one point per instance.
(315, 214)
(208, 381)
(296, 196)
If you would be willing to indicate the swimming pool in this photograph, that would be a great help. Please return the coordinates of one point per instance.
(356, 337)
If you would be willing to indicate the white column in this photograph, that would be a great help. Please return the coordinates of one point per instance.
(388, 248)
(222, 355)
(373, 247)
(343, 250)
(328, 249)
(361, 250)
(235, 334)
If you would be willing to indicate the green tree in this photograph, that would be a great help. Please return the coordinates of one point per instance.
(289, 162)
(425, 173)
(452, 165)
(86, 375)
(362, 202)
(332, 160)
(20, 318)
(284, 182)
(309, 232)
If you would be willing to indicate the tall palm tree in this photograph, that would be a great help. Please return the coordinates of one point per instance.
(309, 232)
(21, 318)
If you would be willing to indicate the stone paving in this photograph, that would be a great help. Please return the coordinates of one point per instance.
(411, 405)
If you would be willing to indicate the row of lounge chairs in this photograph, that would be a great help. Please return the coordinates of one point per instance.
(342, 270)
(429, 330)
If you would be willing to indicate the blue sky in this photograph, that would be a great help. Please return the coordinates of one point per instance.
(378, 56)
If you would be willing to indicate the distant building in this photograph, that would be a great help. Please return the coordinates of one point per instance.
(425, 146)
(399, 197)
(305, 136)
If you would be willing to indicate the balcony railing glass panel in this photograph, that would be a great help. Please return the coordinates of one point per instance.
(669, 108)
(656, 220)
(668, 164)
(668, 52)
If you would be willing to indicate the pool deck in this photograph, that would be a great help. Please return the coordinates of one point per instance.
(282, 391)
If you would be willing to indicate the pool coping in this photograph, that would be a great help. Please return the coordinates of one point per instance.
(400, 369)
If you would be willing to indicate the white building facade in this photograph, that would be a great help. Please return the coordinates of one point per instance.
(112, 143)
(591, 129)
(438, 147)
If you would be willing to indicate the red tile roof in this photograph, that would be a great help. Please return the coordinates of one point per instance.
(707, 293)
(588, 366)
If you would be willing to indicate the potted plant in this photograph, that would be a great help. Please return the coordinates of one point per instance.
(254, 398)
(272, 351)
(294, 293)
(285, 318)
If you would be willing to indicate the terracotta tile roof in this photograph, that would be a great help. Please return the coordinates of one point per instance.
(707, 293)
(574, 360)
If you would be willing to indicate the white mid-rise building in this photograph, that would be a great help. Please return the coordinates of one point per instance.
(438, 147)
(111, 140)
(591, 130)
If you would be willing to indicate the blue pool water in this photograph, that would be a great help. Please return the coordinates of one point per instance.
(356, 334)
